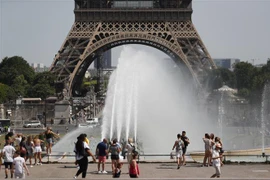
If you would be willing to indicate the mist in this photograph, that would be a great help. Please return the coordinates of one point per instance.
(149, 98)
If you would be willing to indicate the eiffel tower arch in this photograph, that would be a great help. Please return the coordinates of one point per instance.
(104, 24)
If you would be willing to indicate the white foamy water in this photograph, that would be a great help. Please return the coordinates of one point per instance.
(149, 99)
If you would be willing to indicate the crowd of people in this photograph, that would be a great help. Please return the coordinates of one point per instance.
(103, 149)
(213, 151)
(213, 154)
(19, 148)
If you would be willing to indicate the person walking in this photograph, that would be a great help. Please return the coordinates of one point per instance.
(216, 161)
(7, 154)
(186, 143)
(19, 166)
(134, 171)
(178, 145)
(221, 151)
(82, 150)
(101, 152)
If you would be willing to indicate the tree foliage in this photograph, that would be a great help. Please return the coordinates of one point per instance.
(244, 73)
(43, 85)
(6, 93)
(17, 78)
(13, 67)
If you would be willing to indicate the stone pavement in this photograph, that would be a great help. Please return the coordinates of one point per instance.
(164, 170)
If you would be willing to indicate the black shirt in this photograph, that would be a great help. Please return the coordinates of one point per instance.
(184, 138)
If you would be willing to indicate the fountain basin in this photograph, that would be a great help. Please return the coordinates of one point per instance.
(248, 155)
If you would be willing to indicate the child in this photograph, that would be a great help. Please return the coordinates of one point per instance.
(216, 161)
(133, 167)
(19, 166)
(117, 171)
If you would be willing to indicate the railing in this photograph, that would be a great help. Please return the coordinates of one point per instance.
(143, 158)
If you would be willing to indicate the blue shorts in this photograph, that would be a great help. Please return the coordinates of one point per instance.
(49, 140)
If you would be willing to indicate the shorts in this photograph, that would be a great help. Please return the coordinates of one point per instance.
(37, 149)
(115, 157)
(184, 150)
(179, 153)
(19, 175)
(8, 164)
(49, 140)
(102, 158)
(29, 153)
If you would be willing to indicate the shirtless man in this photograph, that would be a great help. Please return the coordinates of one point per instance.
(37, 150)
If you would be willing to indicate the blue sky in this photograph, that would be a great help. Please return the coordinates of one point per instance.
(36, 29)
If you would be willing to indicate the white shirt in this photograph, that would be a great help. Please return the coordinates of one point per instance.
(78, 156)
(216, 162)
(179, 145)
(18, 165)
(8, 151)
(129, 148)
(18, 140)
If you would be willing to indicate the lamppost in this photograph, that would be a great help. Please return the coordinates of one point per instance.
(45, 113)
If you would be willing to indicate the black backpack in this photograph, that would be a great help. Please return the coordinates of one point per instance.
(133, 148)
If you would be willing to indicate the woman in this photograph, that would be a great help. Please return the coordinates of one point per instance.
(133, 166)
(49, 134)
(129, 147)
(82, 150)
(23, 147)
(218, 142)
(29, 145)
(208, 143)
(114, 150)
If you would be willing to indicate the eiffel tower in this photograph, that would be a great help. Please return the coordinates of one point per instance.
(104, 24)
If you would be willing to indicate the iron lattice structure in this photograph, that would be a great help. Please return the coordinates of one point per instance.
(102, 25)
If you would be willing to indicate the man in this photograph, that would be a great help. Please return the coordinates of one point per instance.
(7, 154)
(184, 149)
(20, 166)
(178, 145)
(101, 152)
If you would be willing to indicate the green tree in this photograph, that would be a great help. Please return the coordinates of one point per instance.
(41, 90)
(6, 93)
(43, 85)
(12, 67)
(220, 76)
(244, 73)
(20, 85)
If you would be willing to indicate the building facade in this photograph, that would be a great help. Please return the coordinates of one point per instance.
(227, 63)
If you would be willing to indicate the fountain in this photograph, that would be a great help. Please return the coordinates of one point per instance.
(264, 111)
(148, 98)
